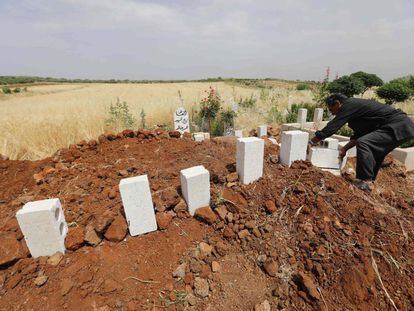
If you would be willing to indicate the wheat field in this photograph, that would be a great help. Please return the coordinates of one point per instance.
(46, 118)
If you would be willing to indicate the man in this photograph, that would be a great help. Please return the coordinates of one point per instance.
(378, 129)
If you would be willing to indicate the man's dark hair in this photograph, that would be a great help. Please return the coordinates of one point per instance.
(337, 96)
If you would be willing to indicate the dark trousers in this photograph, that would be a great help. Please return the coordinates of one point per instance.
(372, 149)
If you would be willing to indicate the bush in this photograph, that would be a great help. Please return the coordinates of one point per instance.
(369, 79)
(346, 85)
(210, 106)
(17, 90)
(274, 116)
(408, 144)
(247, 103)
(6, 90)
(345, 131)
(394, 91)
(302, 87)
(292, 116)
(120, 116)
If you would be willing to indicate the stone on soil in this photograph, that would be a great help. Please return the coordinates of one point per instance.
(11, 249)
(264, 306)
(206, 214)
(201, 287)
(163, 220)
(55, 259)
(180, 271)
(271, 267)
(74, 239)
(91, 237)
(117, 230)
(306, 283)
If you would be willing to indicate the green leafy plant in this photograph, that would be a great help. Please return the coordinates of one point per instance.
(120, 116)
(17, 90)
(247, 103)
(346, 85)
(345, 131)
(408, 144)
(368, 79)
(227, 117)
(210, 106)
(394, 91)
(302, 87)
(6, 90)
(274, 116)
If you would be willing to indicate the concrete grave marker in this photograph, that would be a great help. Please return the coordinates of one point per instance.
(324, 157)
(195, 187)
(249, 157)
(238, 133)
(181, 120)
(198, 136)
(318, 115)
(43, 226)
(228, 131)
(293, 146)
(302, 114)
(331, 143)
(262, 130)
(138, 206)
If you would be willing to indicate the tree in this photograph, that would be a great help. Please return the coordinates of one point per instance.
(394, 91)
(346, 85)
(369, 79)
(210, 106)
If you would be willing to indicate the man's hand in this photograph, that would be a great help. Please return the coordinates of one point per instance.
(309, 147)
(342, 152)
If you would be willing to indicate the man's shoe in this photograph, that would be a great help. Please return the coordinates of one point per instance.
(364, 185)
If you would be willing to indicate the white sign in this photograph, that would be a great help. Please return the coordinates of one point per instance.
(181, 120)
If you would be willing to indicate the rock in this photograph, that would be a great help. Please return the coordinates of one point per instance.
(74, 239)
(234, 199)
(191, 299)
(163, 220)
(11, 250)
(271, 267)
(180, 271)
(205, 271)
(174, 134)
(261, 259)
(250, 224)
(232, 177)
(91, 237)
(61, 167)
(264, 306)
(244, 233)
(102, 222)
(117, 230)
(228, 233)
(55, 259)
(201, 288)
(123, 173)
(112, 194)
(40, 280)
(205, 250)
(206, 214)
(270, 206)
(221, 212)
(166, 199)
(306, 283)
(215, 266)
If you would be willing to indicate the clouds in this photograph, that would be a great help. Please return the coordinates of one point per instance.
(198, 39)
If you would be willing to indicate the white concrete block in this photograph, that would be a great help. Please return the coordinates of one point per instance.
(293, 146)
(302, 114)
(324, 157)
(351, 152)
(331, 143)
(43, 226)
(238, 133)
(249, 157)
(195, 186)
(199, 136)
(206, 136)
(318, 115)
(137, 202)
(274, 141)
(262, 130)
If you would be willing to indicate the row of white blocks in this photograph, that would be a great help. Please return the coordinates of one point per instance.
(43, 223)
(317, 115)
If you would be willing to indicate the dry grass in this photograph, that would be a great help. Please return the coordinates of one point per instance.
(37, 123)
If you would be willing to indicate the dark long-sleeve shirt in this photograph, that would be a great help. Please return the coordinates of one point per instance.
(364, 116)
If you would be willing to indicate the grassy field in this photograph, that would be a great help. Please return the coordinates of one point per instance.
(38, 122)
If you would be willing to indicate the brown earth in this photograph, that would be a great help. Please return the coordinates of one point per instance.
(297, 239)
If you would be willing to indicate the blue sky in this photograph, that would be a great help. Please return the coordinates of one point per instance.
(128, 39)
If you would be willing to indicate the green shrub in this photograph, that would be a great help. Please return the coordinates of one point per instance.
(247, 103)
(408, 144)
(292, 116)
(120, 116)
(142, 115)
(6, 90)
(17, 90)
(274, 116)
(302, 87)
(345, 131)
(346, 85)
(369, 79)
(394, 91)
(210, 106)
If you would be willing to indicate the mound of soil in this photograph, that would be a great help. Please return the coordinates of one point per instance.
(297, 239)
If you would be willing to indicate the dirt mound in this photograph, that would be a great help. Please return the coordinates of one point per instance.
(297, 239)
